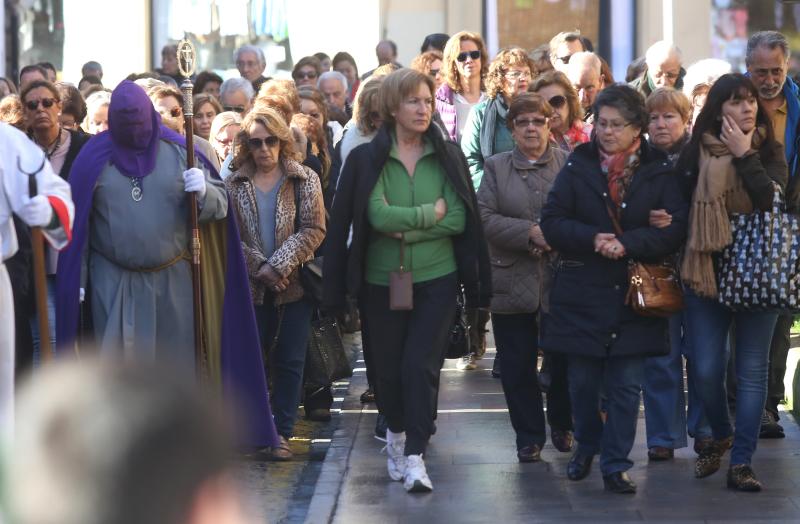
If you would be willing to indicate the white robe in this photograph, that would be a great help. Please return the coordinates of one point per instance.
(16, 151)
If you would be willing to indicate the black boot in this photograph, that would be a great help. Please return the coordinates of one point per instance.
(619, 482)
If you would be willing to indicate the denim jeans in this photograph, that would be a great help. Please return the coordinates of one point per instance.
(620, 380)
(708, 322)
(664, 399)
(286, 356)
(51, 317)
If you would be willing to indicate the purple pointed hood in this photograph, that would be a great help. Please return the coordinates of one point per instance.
(134, 126)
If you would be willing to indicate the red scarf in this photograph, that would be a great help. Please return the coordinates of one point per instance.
(619, 168)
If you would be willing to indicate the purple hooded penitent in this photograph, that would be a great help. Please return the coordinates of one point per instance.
(131, 144)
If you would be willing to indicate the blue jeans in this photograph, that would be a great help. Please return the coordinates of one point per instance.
(51, 317)
(285, 357)
(620, 381)
(708, 322)
(664, 400)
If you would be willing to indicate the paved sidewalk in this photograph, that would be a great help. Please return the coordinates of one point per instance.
(472, 463)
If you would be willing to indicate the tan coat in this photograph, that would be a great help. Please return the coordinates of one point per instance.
(510, 200)
(293, 247)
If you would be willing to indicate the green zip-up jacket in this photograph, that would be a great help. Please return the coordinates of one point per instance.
(404, 204)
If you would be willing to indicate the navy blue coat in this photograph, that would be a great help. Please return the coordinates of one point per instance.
(588, 315)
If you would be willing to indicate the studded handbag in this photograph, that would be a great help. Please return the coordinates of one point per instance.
(758, 271)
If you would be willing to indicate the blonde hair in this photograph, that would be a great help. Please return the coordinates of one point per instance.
(367, 95)
(275, 125)
(506, 58)
(284, 88)
(399, 85)
(223, 120)
(667, 98)
(450, 62)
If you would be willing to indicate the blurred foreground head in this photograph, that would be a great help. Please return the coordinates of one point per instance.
(107, 443)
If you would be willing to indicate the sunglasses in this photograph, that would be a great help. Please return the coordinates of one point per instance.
(557, 102)
(435, 72)
(526, 122)
(33, 105)
(235, 109)
(462, 57)
(309, 75)
(257, 143)
(564, 59)
(175, 112)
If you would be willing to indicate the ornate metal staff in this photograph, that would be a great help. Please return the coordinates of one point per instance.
(39, 275)
(186, 65)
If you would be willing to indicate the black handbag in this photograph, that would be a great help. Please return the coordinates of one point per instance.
(310, 272)
(759, 270)
(326, 360)
(458, 338)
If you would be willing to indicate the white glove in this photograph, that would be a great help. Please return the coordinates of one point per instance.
(36, 211)
(195, 182)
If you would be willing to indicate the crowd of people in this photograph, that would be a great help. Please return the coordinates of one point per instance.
(521, 185)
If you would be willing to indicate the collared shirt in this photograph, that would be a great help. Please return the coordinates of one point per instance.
(779, 122)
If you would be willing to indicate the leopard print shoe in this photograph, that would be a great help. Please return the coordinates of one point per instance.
(742, 478)
(708, 461)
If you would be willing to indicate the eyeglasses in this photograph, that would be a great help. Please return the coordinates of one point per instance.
(257, 143)
(614, 126)
(307, 75)
(235, 109)
(667, 75)
(564, 59)
(462, 57)
(33, 105)
(557, 102)
(435, 72)
(516, 75)
(522, 123)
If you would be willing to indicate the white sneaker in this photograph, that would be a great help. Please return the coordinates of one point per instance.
(416, 478)
(395, 447)
(467, 363)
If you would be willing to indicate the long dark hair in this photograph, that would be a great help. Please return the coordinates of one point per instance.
(731, 86)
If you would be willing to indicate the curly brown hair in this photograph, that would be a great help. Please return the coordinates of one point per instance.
(423, 62)
(321, 140)
(505, 59)
(275, 124)
(560, 79)
(451, 50)
(281, 87)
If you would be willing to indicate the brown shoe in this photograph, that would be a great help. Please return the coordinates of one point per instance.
(562, 440)
(530, 454)
(742, 478)
(659, 453)
(708, 461)
(282, 452)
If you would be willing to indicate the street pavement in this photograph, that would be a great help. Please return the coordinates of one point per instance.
(477, 479)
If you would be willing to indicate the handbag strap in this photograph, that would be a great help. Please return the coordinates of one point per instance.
(617, 228)
(402, 253)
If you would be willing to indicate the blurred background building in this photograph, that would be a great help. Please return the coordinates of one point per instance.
(127, 35)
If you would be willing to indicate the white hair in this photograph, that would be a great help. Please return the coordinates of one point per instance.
(582, 59)
(250, 49)
(660, 51)
(704, 71)
(335, 75)
(97, 100)
(237, 84)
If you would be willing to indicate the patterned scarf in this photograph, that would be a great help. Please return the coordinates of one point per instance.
(619, 169)
(719, 192)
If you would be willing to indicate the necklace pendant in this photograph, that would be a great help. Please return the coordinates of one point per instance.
(136, 190)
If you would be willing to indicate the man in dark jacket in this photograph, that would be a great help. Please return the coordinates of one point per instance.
(767, 62)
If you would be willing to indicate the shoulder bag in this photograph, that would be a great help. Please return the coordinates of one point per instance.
(654, 290)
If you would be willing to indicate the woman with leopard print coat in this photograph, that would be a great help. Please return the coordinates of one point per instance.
(271, 193)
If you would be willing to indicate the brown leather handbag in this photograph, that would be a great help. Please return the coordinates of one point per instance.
(401, 285)
(654, 290)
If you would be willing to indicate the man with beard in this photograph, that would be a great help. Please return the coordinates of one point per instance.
(767, 62)
(131, 238)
